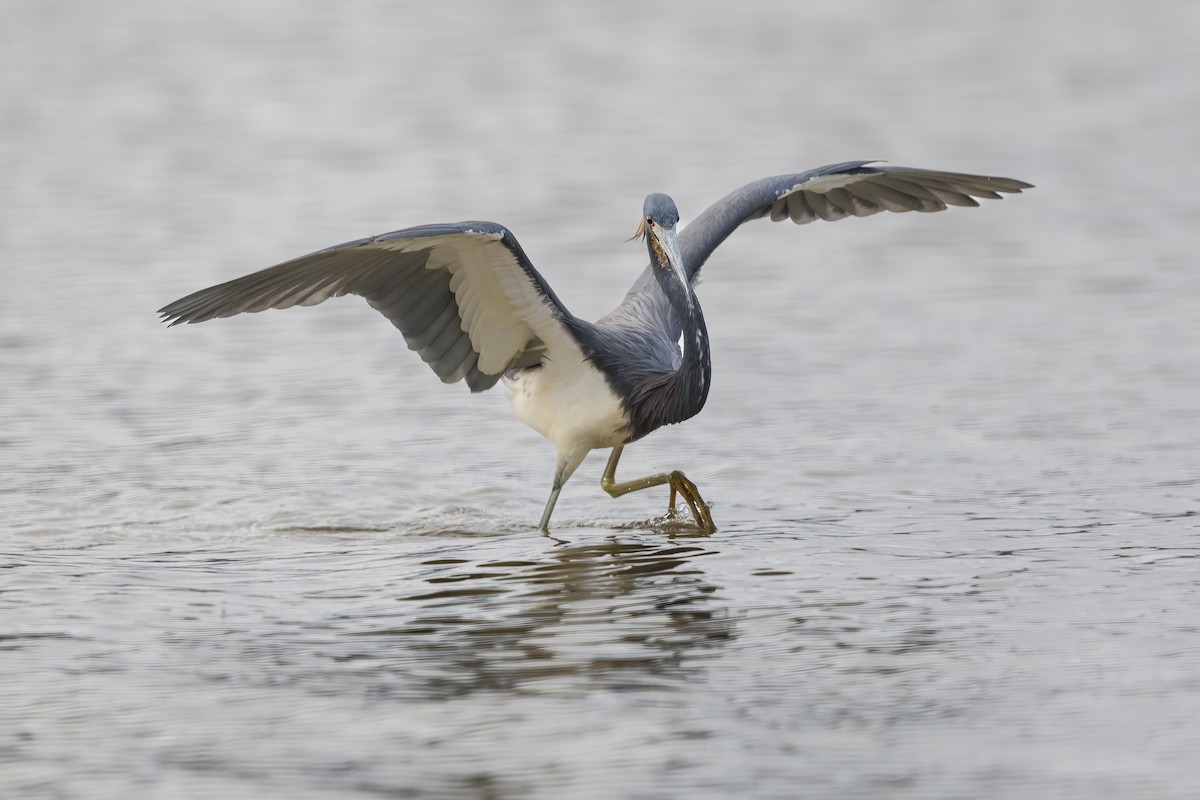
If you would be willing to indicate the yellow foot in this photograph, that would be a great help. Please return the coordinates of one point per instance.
(680, 484)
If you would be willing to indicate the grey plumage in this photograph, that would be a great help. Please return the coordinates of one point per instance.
(404, 286)
(807, 196)
(469, 302)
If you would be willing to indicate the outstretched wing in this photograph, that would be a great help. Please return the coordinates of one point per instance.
(833, 192)
(465, 296)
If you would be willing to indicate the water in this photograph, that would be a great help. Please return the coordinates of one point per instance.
(952, 457)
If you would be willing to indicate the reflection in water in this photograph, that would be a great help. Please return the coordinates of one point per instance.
(616, 614)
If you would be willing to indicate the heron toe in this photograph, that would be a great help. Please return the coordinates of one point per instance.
(700, 511)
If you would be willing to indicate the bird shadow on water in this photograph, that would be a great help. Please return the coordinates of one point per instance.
(625, 613)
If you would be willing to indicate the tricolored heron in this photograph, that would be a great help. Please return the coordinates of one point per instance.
(469, 302)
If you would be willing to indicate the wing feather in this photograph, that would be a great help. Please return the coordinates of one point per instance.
(464, 296)
(447, 318)
(392, 287)
(910, 188)
(833, 192)
(798, 209)
(825, 209)
(885, 197)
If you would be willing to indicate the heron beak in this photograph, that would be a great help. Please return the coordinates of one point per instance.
(667, 244)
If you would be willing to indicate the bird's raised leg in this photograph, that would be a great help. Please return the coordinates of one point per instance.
(675, 479)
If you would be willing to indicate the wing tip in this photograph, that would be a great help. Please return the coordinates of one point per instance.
(165, 314)
(175, 314)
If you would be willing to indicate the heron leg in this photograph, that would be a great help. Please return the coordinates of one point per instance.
(676, 480)
(544, 525)
(568, 462)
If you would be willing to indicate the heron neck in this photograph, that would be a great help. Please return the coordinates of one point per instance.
(694, 375)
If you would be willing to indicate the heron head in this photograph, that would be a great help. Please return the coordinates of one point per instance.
(659, 218)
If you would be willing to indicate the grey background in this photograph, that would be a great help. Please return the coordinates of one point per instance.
(952, 457)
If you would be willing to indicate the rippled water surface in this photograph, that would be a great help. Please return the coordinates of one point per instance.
(952, 457)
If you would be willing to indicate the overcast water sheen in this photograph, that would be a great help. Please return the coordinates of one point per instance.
(952, 457)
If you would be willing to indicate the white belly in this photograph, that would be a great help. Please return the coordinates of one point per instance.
(570, 404)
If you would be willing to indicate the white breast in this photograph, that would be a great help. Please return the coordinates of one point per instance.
(570, 403)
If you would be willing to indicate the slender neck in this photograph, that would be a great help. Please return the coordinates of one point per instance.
(629, 348)
(692, 379)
